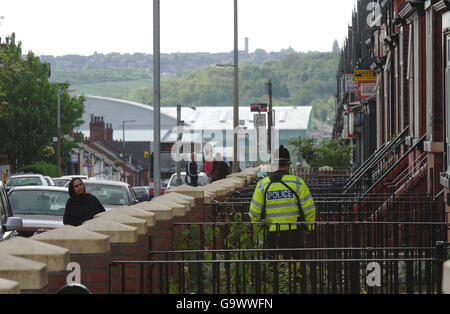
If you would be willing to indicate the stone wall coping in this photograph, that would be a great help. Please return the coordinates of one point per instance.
(227, 184)
(179, 201)
(117, 232)
(9, 286)
(30, 275)
(138, 223)
(178, 209)
(178, 196)
(55, 257)
(238, 182)
(446, 278)
(161, 211)
(149, 217)
(219, 188)
(187, 190)
(209, 197)
(76, 240)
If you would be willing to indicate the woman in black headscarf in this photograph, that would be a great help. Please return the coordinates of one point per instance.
(81, 206)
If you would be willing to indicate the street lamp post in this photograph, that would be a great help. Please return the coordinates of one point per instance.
(123, 147)
(178, 180)
(236, 92)
(59, 130)
(156, 98)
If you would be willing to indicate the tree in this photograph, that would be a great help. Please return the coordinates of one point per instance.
(28, 108)
(329, 152)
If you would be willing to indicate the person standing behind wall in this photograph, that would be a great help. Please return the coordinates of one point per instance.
(220, 169)
(192, 172)
(81, 206)
(280, 199)
(208, 165)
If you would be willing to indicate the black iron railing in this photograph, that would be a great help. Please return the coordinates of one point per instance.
(384, 270)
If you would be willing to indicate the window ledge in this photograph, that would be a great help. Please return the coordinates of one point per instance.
(445, 180)
(433, 147)
(409, 140)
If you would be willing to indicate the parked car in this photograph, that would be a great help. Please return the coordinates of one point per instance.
(111, 193)
(40, 207)
(9, 224)
(142, 193)
(151, 188)
(25, 180)
(202, 179)
(61, 181)
(49, 181)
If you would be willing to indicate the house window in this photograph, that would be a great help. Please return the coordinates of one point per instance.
(416, 79)
(429, 80)
(409, 76)
(447, 100)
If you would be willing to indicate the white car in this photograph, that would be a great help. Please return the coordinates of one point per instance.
(202, 179)
(111, 193)
(49, 181)
(61, 181)
(25, 180)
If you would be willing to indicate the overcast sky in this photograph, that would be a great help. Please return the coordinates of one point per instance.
(52, 27)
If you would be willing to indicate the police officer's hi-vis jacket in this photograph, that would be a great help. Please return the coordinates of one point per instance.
(281, 203)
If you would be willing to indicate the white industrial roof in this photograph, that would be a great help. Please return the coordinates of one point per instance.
(221, 118)
(202, 119)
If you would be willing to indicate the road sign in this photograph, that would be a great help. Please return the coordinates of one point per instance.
(365, 75)
(260, 120)
(87, 163)
(258, 107)
(180, 125)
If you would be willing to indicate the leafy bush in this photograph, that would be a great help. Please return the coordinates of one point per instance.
(329, 152)
(41, 167)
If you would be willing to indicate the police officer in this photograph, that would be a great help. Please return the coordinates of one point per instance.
(280, 199)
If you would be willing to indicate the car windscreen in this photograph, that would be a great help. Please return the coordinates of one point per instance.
(173, 182)
(61, 182)
(24, 181)
(108, 194)
(38, 202)
(140, 190)
(202, 180)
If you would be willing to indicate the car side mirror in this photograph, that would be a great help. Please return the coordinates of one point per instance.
(13, 223)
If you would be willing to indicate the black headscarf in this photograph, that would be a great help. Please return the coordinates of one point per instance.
(80, 208)
(72, 190)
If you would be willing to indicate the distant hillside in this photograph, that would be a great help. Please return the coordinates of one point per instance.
(298, 79)
(113, 66)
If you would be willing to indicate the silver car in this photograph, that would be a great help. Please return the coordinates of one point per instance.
(25, 180)
(40, 207)
(202, 179)
(111, 193)
(9, 224)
